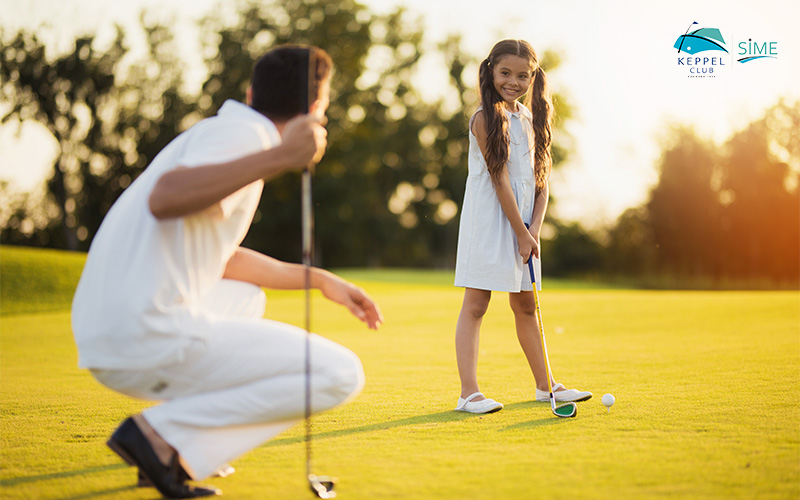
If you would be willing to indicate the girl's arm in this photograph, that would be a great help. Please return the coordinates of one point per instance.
(539, 209)
(184, 191)
(526, 242)
(264, 271)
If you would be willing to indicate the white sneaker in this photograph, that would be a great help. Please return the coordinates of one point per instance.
(570, 395)
(483, 406)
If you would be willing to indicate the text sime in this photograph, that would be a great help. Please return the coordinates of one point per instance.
(749, 48)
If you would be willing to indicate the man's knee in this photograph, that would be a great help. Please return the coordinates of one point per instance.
(351, 375)
(344, 375)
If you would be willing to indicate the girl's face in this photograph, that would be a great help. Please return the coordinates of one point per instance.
(512, 78)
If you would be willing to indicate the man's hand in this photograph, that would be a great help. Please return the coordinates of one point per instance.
(352, 297)
(304, 140)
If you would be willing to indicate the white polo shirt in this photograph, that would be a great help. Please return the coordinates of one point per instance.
(137, 302)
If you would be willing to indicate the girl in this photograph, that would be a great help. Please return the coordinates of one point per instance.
(507, 189)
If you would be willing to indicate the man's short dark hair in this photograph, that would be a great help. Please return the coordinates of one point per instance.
(279, 80)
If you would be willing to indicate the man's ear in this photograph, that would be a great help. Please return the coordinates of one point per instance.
(313, 107)
(249, 95)
(316, 111)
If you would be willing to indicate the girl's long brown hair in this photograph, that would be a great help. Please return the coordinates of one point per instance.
(537, 99)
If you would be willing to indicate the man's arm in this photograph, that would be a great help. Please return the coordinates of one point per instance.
(184, 191)
(259, 269)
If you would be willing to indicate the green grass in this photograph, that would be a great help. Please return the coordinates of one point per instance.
(37, 280)
(707, 387)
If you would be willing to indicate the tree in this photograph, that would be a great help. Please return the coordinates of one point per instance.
(573, 252)
(684, 209)
(108, 129)
(730, 214)
(631, 250)
(761, 199)
(65, 96)
(390, 187)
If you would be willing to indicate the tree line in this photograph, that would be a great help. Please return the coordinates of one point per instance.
(720, 216)
(387, 192)
(390, 187)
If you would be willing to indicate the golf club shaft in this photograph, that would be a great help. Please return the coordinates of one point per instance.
(307, 223)
(308, 244)
(541, 334)
(683, 38)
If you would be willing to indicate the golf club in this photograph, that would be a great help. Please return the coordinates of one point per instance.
(683, 38)
(566, 410)
(322, 486)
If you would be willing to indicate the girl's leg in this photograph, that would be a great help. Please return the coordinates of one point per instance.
(524, 307)
(467, 338)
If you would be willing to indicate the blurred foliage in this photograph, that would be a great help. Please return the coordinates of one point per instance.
(388, 191)
(390, 187)
(107, 129)
(719, 216)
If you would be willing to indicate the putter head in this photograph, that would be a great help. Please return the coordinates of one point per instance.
(567, 410)
(322, 486)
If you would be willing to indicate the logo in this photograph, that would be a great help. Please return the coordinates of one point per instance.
(750, 50)
(704, 52)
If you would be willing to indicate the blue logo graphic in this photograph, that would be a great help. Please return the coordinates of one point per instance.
(700, 40)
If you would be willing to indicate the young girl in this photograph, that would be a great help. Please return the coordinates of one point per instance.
(507, 189)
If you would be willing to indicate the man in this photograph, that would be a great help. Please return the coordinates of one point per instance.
(170, 307)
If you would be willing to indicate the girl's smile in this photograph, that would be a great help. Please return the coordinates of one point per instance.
(512, 79)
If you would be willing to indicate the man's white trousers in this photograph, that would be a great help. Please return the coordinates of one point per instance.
(242, 387)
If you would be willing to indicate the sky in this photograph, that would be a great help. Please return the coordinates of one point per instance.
(619, 71)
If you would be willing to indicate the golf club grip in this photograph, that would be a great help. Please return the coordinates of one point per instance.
(530, 268)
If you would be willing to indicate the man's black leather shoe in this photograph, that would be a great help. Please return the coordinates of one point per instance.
(130, 444)
(143, 482)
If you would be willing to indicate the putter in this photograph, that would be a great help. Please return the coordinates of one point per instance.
(566, 410)
(321, 486)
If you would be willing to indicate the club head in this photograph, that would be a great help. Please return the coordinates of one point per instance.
(322, 486)
(567, 410)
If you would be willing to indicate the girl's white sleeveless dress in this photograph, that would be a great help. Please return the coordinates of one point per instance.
(488, 257)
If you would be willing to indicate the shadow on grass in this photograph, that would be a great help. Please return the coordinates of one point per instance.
(441, 417)
(111, 493)
(542, 409)
(60, 475)
(546, 416)
(445, 416)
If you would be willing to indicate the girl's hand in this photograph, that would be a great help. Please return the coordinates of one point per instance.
(352, 297)
(536, 240)
(527, 246)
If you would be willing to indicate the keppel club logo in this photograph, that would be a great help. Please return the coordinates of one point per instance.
(704, 52)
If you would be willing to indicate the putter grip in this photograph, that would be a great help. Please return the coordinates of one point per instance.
(530, 268)
(530, 265)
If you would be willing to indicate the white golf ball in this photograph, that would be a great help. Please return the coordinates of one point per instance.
(607, 400)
